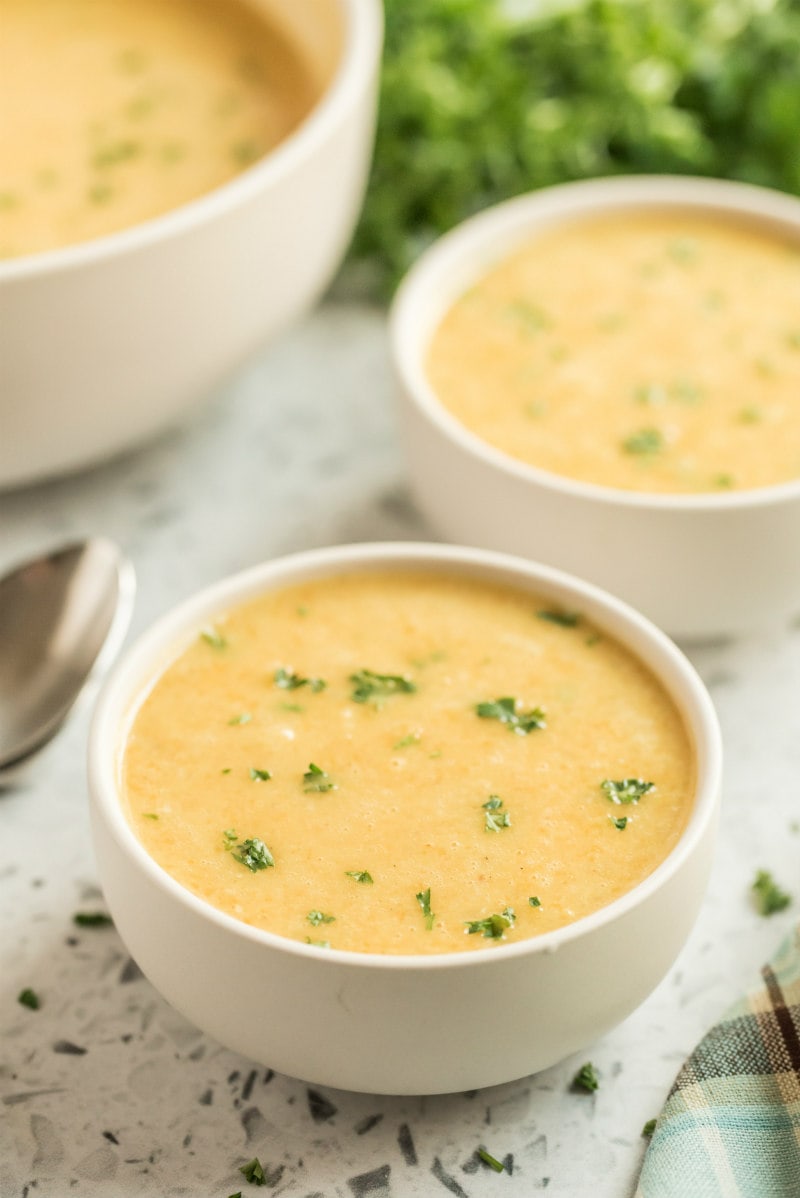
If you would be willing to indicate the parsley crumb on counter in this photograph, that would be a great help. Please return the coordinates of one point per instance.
(29, 998)
(767, 894)
(586, 1079)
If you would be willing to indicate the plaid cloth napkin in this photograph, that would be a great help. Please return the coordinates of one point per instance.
(731, 1124)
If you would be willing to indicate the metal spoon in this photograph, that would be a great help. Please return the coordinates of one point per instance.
(61, 616)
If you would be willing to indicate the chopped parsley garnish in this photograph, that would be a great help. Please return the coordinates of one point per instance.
(620, 823)
(92, 919)
(644, 442)
(493, 927)
(318, 943)
(507, 711)
(149, 815)
(566, 619)
(254, 1172)
(768, 895)
(368, 685)
(586, 1078)
(213, 637)
(626, 790)
(230, 836)
(226, 770)
(317, 781)
(406, 742)
(535, 901)
(244, 717)
(359, 875)
(649, 1127)
(29, 998)
(315, 918)
(496, 819)
(289, 681)
(424, 900)
(490, 1160)
(252, 852)
(257, 775)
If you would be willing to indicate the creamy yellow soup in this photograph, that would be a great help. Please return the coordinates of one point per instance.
(406, 763)
(651, 352)
(116, 111)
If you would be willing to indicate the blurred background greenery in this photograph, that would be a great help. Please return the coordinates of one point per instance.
(482, 100)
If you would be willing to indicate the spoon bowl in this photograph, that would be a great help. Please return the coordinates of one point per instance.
(61, 616)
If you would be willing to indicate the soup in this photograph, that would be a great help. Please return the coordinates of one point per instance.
(125, 109)
(646, 351)
(406, 763)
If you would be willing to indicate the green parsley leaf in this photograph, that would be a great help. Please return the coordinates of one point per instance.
(315, 918)
(317, 781)
(244, 717)
(230, 836)
(213, 637)
(257, 775)
(369, 685)
(359, 875)
(535, 901)
(289, 681)
(621, 823)
(649, 1127)
(29, 998)
(406, 742)
(644, 442)
(626, 790)
(253, 853)
(493, 927)
(149, 815)
(507, 712)
(566, 619)
(586, 1078)
(318, 943)
(769, 898)
(254, 1172)
(490, 1160)
(92, 919)
(424, 900)
(496, 819)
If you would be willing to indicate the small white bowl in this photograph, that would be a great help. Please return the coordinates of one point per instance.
(698, 565)
(103, 344)
(401, 1024)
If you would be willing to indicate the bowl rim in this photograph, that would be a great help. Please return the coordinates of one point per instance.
(472, 247)
(130, 678)
(362, 29)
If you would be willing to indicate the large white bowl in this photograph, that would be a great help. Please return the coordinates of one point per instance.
(400, 1024)
(698, 565)
(104, 343)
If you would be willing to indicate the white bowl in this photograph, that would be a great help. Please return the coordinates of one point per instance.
(698, 565)
(102, 344)
(401, 1024)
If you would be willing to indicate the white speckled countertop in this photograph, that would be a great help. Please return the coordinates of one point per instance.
(105, 1091)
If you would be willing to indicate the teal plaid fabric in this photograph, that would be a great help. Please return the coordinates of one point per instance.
(731, 1125)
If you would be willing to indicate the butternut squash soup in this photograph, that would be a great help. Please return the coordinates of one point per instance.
(646, 351)
(119, 110)
(406, 763)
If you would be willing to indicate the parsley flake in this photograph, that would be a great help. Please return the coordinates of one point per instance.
(649, 1128)
(565, 619)
(318, 943)
(253, 853)
(254, 1172)
(257, 775)
(406, 742)
(359, 875)
(317, 781)
(620, 823)
(496, 819)
(490, 1160)
(626, 790)
(213, 637)
(315, 918)
(586, 1078)
(493, 927)
(535, 901)
(29, 998)
(424, 900)
(92, 919)
(368, 685)
(244, 717)
(769, 898)
(507, 712)
(149, 815)
(289, 681)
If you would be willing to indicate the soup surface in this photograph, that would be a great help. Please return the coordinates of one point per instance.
(406, 763)
(651, 352)
(124, 109)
